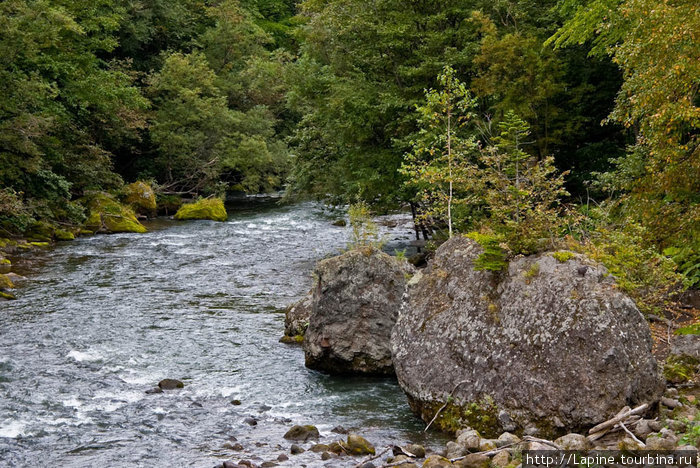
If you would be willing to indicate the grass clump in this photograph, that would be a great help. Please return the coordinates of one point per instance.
(563, 256)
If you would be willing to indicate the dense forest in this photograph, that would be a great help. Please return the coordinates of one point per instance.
(532, 124)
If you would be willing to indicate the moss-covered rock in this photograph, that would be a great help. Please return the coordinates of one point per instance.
(208, 208)
(296, 339)
(358, 445)
(39, 244)
(40, 231)
(6, 282)
(141, 197)
(7, 296)
(63, 235)
(107, 215)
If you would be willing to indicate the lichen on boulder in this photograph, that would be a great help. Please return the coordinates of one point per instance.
(107, 215)
(556, 347)
(354, 307)
(141, 197)
(296, 317)
(207, 208)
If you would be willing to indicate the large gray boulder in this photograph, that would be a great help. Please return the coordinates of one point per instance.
(354, 308)
(548, 344)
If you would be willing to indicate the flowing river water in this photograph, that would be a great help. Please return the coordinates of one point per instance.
(102, 319)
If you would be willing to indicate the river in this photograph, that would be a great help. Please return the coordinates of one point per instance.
(102, 319)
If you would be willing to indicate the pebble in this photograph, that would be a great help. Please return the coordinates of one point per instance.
(250, 421)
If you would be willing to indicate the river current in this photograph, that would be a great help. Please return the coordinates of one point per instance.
(102, 319)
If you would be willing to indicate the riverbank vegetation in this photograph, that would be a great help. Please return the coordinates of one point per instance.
(564, 124)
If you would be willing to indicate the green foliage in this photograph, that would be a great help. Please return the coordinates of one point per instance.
(362, 71)
(563, 256)
(687, 258)
(494, 256)
(648, 277)
(522, 193)
(532, 272)
(692, 435)
(692, 329)
(654, 45)
(680, 369)
(440, 166)
(365, 232)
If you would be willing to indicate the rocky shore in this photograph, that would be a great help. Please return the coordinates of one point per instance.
(547, 354)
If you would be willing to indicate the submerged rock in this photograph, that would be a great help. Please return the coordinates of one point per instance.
(170, 384)
(141, 197)
(208, 208)
(554, 349)
(354, 308)
(107, 215)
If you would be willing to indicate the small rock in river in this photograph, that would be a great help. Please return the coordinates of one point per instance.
(236, 402)
(282, 457)
(415, 449)
(230, 446)
(170, 384)
(154, 390)
(302, 433)
(339, 430)
(296, 449)
(358, 445)
(251, 421)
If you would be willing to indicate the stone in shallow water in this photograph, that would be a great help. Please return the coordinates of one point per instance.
(358, 445)
(170, 384)
(302, 433)
(296, 449)
(353, 310)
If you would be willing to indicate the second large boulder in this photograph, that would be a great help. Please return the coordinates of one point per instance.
(354, 307)
(549, 345)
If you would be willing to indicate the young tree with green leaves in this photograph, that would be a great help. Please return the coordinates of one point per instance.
(522, 193)
(440, 164)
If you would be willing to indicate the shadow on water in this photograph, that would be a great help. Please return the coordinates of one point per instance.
(102, 319)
